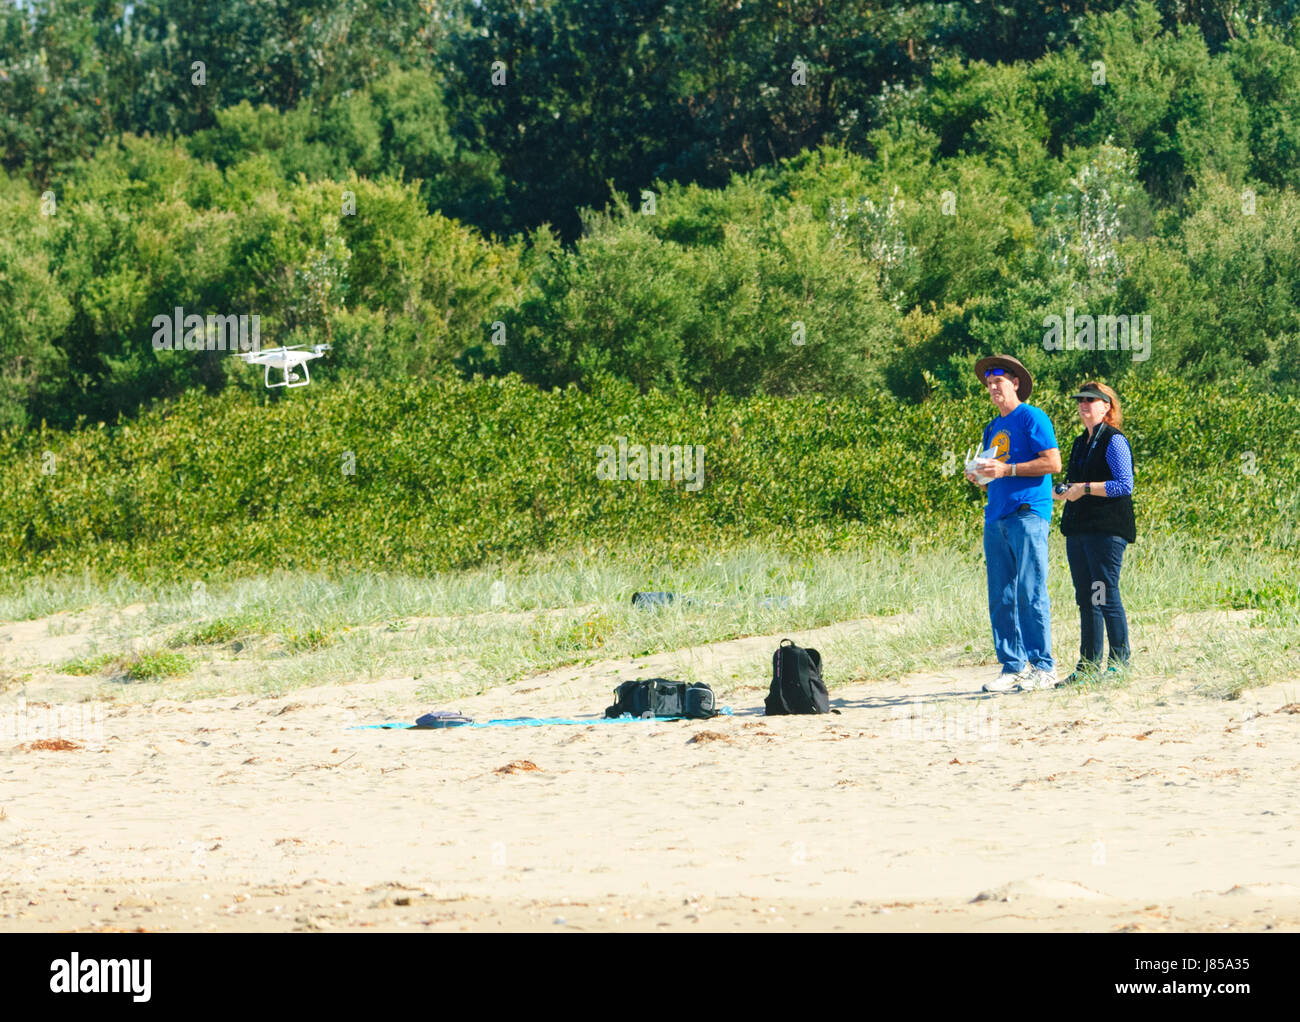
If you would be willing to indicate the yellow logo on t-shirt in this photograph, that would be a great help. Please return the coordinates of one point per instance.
(1001, 445)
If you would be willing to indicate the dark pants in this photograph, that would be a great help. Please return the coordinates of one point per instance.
(1095, 561)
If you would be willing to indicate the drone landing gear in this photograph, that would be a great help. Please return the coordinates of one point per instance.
(289, 377)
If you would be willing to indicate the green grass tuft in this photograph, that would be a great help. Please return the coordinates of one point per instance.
(308, 641)
(156, 664)
(222, 630)
(85, 666)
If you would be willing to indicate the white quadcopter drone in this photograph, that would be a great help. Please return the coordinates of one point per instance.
(286, 360)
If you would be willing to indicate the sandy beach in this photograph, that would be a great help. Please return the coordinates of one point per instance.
(922, 805)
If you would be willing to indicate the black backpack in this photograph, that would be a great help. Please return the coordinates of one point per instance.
(660, 697)
(797, 685)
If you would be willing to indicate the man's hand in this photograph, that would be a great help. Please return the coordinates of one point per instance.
(1047, 463)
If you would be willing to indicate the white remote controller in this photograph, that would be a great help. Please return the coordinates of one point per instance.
(974, 457)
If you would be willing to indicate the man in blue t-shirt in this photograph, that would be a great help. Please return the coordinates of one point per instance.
(1016, 520)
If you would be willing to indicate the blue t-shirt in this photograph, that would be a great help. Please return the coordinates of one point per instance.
(1019, 437)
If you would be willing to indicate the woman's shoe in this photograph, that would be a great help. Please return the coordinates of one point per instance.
(1079, 676)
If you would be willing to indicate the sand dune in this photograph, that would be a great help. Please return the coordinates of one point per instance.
(924, 804)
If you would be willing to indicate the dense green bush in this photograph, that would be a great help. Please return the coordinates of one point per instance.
(425, 476)
(1224, 288)
(767, 304)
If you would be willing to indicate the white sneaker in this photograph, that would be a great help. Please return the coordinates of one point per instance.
(1006, 682)
(1037, 678)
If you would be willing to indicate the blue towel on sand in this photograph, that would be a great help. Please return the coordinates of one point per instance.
(529, 722)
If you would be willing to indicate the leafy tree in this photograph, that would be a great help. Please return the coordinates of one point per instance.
(396, 127)
(274, 52)
(1165, 98)
(31, 361)
(768, 304)
(1222, 287)
(1267, 70)
(53, 85)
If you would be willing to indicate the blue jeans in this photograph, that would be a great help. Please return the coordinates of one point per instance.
(1095, 561)
(1015, 554)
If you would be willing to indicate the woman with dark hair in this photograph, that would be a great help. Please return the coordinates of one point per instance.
(1097, 522)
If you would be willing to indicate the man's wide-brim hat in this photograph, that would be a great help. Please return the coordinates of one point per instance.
(1012, 366)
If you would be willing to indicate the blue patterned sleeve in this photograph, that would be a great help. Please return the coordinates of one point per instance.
(1119, 456)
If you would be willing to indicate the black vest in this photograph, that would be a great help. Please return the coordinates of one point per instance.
(1112, 516)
